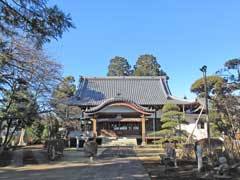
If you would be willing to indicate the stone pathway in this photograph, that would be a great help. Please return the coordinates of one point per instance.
(74, 166)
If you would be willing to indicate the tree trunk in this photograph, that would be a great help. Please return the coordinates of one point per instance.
(1, 132)
(229, 116)
(1, 126)
(10, 138)
(21, 139)
(7, 134)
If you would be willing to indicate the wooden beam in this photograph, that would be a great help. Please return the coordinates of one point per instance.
(143, 130)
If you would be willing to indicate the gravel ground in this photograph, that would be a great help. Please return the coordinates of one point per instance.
(110, 164)
(74, 166)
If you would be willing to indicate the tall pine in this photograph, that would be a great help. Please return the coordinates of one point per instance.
(119, 66)
(147, 65)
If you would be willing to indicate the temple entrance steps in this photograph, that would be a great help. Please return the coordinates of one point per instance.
(108, 133)
(120, 141)
(118, 151)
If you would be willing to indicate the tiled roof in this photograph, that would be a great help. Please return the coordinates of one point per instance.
(148, 90)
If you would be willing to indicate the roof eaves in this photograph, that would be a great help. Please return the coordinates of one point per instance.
(180, 100)
(163, 88)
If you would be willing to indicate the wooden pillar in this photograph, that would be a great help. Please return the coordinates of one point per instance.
(183, 112)
(94, 126)
(143, 131)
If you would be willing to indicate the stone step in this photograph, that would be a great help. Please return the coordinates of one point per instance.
(120, 142)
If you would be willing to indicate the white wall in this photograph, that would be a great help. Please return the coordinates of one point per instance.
(199, 133)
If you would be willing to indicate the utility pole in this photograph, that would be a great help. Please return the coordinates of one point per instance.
(204, 70)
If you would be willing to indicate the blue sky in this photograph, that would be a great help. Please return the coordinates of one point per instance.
(182, 34)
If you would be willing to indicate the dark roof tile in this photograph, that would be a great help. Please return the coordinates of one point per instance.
(143, 90)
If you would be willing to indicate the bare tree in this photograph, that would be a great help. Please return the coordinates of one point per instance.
(27, 80)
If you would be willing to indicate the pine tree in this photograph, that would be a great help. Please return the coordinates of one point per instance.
(119, 66)
(35, 19)
(172, 119)
(65, 89)
(147, 65)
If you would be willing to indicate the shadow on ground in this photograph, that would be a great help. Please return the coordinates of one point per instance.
(110, 165)
(105, 170)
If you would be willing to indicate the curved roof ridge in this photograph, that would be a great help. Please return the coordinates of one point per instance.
(117, 100)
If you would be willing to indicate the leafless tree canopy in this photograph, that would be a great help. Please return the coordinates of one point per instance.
(28, 78)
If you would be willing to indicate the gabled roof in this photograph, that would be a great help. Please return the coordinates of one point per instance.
(143, 90)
